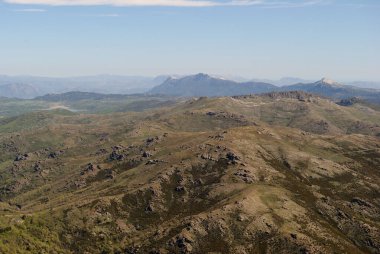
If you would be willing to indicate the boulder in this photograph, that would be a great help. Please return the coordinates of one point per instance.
(21, 157)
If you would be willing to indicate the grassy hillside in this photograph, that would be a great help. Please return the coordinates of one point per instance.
(279, 173)
(88, 103)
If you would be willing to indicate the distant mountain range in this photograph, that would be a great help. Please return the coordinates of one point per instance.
(27, 87)
(335, 90)
(286, 81)
(364, 84)
(205, 85)
(78, 96)
(18, 90)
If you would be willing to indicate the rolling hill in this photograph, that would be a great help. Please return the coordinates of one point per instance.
(83, 102)
(286, 172)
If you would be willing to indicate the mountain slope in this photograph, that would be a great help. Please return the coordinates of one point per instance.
(18, 90)
(99, 84)
(208, 175)
(285, 81)
(332, 89)
(205, 85)
(84, 102)
(289, 109)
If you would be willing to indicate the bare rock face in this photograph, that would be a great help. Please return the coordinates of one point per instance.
(116, 156)
(349, 101)
(89, 169)
(365, 234)
(231, 157)
(182, 243)
(146, 154)
(151, 140)
(110, 174)
(55, 154)
(152, 162)
(22, 157)
(37, 167)
(299, 95)
(245, 175)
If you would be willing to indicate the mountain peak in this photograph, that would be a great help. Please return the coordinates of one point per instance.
(328, 81)
(201, 76)
(171, 78)
(206, 85)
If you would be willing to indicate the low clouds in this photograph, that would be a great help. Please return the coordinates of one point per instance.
(174, 3)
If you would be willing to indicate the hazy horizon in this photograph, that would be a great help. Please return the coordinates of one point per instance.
(237, 78)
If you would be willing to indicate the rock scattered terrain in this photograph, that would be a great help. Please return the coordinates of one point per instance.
(279, 173)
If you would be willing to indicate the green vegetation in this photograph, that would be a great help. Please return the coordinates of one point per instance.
(249, 174)
(83, 103)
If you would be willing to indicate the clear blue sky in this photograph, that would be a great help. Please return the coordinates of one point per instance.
(256, 39)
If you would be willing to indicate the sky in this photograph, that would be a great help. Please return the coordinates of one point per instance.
(310, 39)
